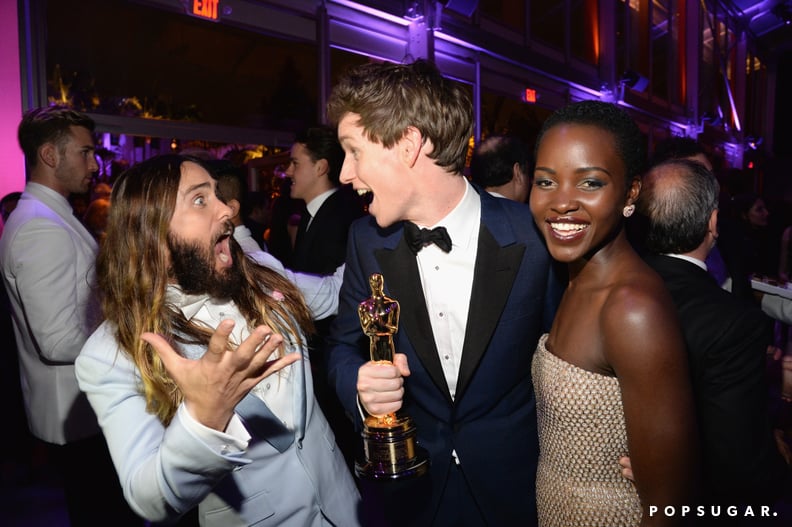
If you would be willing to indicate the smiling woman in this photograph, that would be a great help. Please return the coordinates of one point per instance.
(611, 377)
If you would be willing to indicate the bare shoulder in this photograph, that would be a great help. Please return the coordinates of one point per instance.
(639, 320)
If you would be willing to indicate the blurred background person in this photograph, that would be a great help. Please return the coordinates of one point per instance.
(101, 190)
(726, 341)
(501, 165)
(7, 205)
(330, 208)
(95, 218)
(233, 189)
(284, 219)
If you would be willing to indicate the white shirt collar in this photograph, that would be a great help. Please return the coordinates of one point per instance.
(53, 199)
(315, 204)
(694, 261)
(462, 222)
(61, 206)
(189, 304)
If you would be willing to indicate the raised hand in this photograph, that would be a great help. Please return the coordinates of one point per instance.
(214, 384)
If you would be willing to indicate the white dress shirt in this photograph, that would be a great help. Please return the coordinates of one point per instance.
(447, 280)
(275, 390)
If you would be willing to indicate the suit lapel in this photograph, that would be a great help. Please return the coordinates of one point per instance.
(498, 261)
(494, 274)
(403, 283)
(262, 423)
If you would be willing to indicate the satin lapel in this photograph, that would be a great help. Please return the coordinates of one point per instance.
(262, 423)
(403, 283)
(301, 397)
(494, 274)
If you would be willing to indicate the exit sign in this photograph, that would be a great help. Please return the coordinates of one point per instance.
(205, 8)
(529, 95)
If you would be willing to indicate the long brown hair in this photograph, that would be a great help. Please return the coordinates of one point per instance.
(132, 274)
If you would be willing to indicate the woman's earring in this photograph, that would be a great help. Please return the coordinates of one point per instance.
(628, 211)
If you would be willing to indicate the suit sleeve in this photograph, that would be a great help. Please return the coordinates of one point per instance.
(320, 292)
(734, 416)
(777, 307)
(347, 345)
(43, 258)
(164, 471)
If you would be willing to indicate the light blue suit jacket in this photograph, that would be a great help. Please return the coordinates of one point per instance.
(165, 471)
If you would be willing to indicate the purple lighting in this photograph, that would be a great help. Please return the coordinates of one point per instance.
(13, 171)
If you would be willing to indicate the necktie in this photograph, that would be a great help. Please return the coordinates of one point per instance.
(418, 238)
(305, 219)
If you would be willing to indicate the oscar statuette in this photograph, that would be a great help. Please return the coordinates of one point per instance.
(389, 440)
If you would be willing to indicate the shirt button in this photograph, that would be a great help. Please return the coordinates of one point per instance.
(268, 386)
(437, 267)
(446, 357)
(440, 314)
(224, 450)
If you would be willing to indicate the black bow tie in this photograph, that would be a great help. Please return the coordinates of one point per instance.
(418, 238)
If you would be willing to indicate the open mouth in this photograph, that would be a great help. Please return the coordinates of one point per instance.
(366, 194)
(222, 249)
(567, 230)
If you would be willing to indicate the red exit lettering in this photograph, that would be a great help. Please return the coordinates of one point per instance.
(205, 8)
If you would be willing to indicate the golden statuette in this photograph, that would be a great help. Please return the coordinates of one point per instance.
(389, 440)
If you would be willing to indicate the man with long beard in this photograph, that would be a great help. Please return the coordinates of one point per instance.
(199, 375)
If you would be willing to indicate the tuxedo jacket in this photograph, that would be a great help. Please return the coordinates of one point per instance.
(285, 477)
(726, 341)
(322, 248)
(491, 423)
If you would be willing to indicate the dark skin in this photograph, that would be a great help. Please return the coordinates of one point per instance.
(616, 317)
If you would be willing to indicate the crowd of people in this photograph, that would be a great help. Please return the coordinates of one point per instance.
(578, 340)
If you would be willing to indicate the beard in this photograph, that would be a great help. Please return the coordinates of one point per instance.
(194, 269)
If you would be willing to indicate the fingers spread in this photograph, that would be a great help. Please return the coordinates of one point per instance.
(162, 347)
(218, 344)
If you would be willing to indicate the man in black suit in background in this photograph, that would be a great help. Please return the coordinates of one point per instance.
(726, 339)
(314, 168)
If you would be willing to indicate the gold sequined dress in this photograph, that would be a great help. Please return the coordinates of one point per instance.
(582, 434)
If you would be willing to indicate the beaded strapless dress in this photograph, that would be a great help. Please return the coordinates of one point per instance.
(582, 434)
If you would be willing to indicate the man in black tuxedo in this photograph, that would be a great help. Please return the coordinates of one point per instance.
(474, 299)
(726, 339)
(316, 158)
